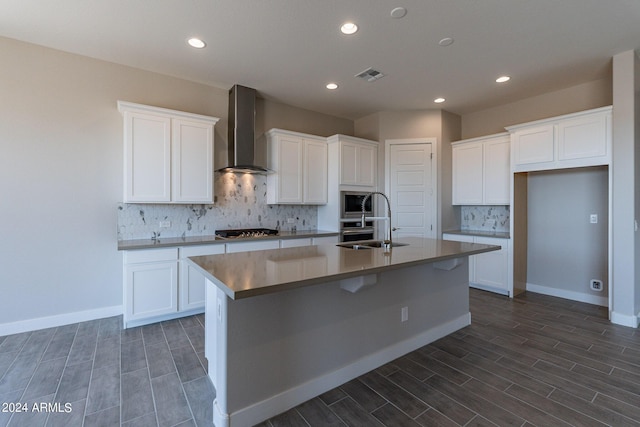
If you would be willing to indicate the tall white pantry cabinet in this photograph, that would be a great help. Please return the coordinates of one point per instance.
(168, 155)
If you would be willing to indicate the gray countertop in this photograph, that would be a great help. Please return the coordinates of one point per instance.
(248, 274)
(125, 245)
(480, 233)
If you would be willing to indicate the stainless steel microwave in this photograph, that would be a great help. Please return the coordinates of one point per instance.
(351, 204)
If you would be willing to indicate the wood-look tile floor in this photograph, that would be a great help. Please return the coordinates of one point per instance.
(533, 360)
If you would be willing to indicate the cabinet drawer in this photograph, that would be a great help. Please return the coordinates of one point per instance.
(293, 243)
(186, 252)
(458, 238)
(151, 255)
(252, 246)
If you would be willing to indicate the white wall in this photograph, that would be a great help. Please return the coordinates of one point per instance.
(61, 176)
(566, 251)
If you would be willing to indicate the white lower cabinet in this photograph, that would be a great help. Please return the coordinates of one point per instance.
(252, 246)
(160, 284)
(326, 240)
(488, 271)
(151, 284)
(294, 243)
(192, 282)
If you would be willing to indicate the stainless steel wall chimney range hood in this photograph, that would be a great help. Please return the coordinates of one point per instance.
(242, 133)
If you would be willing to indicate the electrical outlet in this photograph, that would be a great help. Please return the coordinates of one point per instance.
(165, 224)
(290, 220)
(596, 285)
(404, 314)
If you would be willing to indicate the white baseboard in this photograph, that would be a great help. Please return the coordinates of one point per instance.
(58, 320)
(288, 399)
(570, 295)
(625, 319)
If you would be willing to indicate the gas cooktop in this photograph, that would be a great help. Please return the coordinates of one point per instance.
(246, 232)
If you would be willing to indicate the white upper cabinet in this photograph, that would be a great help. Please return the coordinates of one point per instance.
(192, 161)
(298, 164)
(533, 145)
(467, 174)
(168, 155)
(569, 141)
(315, 172)
(481, 170)
(497, 171)
(358, 160)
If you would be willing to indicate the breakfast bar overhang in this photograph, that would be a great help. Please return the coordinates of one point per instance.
(285, 325)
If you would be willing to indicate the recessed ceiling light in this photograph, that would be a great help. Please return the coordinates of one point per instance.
(503, 79)
(197, 43)
(438, 100)
(349, 28)
(398, 12)
(447, 41)
(332, 86)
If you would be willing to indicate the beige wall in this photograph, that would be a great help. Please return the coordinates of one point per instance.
(566, 251)
(626, 242)
(61, 166)
(576, 98)
(442, 125)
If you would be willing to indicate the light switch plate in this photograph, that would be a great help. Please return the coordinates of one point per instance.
(593, 218)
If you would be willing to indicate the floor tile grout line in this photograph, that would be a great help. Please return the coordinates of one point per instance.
(184, 393)
(153, 396)
(93, 364)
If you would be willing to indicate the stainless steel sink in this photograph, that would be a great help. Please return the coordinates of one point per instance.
(353, 246)
(380, 243)
(368, 244)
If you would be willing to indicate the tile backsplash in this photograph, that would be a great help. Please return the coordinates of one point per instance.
(485, 218)
(240, 202)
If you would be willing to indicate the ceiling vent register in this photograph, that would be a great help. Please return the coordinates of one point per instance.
(370, 75)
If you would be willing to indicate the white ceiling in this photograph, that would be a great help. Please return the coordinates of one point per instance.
(289, 49)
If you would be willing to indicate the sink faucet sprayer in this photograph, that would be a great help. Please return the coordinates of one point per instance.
(387, 234)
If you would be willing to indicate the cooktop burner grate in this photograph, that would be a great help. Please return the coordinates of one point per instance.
(246, 232)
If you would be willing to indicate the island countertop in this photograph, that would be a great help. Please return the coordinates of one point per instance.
(248, 274)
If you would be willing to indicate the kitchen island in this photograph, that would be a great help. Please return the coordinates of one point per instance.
(285, 325)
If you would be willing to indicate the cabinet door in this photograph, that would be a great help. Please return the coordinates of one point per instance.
(348, 164)
(290, 152)
(151, 289)
(463, 239)
(192, 153)
(315, 173)
(366, 165)
(467, 174)
(582, 138)
(147, 140)
(497, 169)
(192, 283)
(534, 145)
(491, 267)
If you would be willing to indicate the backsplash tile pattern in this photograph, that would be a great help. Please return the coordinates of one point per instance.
(240, 202)
(485, 218)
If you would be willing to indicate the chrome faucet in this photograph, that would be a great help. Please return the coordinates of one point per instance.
(387, 235)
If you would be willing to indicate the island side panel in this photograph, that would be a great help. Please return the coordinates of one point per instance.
(285, 348)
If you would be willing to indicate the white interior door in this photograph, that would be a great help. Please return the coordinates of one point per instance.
(410, 186)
